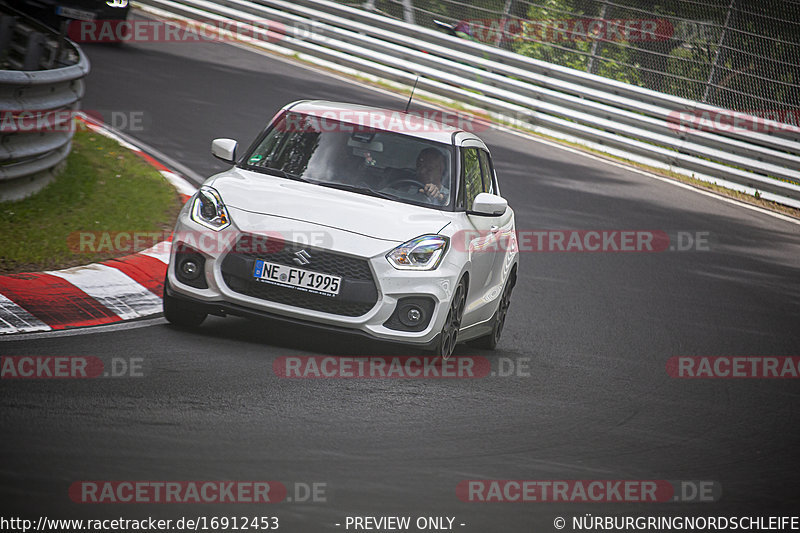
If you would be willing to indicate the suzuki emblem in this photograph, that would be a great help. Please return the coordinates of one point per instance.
(302, 257)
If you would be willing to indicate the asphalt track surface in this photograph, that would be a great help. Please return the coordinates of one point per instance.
(594, 329)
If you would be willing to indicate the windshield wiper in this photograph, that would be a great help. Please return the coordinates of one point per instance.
(353, 188)
(282, 174)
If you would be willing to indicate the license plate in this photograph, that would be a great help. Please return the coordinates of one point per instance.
(77, 14)
(297, 278)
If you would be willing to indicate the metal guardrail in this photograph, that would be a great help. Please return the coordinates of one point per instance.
(647, 126)
(38, 101)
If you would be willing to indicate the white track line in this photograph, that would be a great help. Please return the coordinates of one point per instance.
(160, 251)
(89, 330)
(15, 319)
(114, 289)
(177, 181)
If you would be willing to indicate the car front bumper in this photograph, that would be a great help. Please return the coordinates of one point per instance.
(221, 293)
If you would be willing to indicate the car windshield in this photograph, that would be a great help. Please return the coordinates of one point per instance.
(345, 156)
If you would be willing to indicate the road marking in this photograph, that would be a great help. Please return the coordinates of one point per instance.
(144, 269)
(113, 289)
(119, 326)
(15, 319)
(54, 300)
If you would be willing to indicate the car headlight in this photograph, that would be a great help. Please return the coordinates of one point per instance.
(421, 253)
(209, 211)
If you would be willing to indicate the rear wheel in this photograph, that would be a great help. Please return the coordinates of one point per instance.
(449, 334)
(490, 341)
(180, 313)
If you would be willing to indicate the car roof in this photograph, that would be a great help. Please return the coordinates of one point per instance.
(423, 124)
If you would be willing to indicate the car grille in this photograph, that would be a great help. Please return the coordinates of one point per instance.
(358, 293)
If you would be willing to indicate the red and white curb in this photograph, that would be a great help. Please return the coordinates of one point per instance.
(101, 293)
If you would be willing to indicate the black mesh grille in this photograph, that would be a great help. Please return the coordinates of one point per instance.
(358, 293)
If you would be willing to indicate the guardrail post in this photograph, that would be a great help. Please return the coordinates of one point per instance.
(501, 39)
(408, 11)
(717, 54)
(591, 68)
(34, 49)
(7, 23)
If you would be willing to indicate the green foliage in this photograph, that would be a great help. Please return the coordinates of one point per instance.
(542, 39)
(754, 47)
(104, 187)
(687, 62)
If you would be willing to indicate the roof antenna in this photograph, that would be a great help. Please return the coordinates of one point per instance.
(408, 104)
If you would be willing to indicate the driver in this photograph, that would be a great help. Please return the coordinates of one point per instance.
(431, 165)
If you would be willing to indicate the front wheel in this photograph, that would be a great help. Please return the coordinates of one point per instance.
(490, 341)
(179, 313)
(449, 334)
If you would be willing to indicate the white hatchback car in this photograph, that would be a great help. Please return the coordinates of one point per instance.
(355, 219)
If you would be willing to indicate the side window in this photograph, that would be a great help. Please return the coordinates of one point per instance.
(471, 174)
(487, 172)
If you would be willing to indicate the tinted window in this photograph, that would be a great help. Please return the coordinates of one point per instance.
(471, 171)
(486, 171)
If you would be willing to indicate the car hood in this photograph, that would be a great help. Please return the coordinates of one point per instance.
(343, 210)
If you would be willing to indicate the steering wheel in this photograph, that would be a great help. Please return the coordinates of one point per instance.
(407, 181)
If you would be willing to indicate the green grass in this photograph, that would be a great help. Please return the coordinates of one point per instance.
(104, 187)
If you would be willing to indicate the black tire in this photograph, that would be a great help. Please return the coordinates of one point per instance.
(448, 337)
(489, 342)
(180, 313)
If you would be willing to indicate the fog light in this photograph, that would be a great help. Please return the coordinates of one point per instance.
(190, 269)
(413, 313)
(189, 266)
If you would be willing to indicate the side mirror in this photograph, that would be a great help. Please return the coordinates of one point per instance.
(488, 205)
(224, 149)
